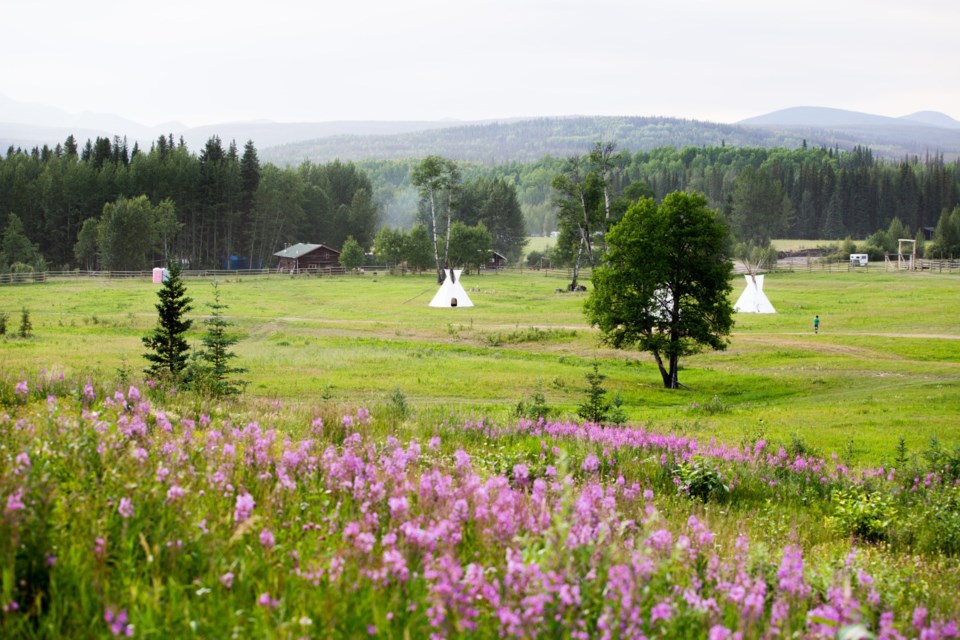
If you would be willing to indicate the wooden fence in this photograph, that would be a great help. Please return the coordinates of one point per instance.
(43, 276)
(794, 266)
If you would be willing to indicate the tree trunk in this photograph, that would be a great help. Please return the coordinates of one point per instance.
(576, 266)
(674, 370)
(667, 376)
(436, 250)
(585, 228)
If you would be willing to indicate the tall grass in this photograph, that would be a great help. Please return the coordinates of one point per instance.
(138, 512)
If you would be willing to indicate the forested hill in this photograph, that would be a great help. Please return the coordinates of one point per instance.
(530, 140)
(520, 141)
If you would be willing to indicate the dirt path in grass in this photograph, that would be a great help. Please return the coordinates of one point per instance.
(919, 336)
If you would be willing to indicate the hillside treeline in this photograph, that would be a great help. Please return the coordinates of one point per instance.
(832, 194)
(226, 206)
(531, 139)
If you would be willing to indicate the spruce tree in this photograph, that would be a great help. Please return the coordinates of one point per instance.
(595, 409)
(26, 327)
(212, 371)
(167, 346)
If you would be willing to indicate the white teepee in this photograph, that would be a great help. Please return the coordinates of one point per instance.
(451, 293)
(753, 299)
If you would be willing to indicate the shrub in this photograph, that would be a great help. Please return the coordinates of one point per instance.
(399, 409)
(868, 515)
(938, 524)
(712, 407)
(534, 408)
(699, 480)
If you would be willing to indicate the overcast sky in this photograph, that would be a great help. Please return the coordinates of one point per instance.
(206, 61)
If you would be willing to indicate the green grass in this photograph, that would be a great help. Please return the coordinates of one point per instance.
(885, 365)
(539, 243)
(798, 245)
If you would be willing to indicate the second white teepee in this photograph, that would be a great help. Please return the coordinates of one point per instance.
(451, 293)
(753, 299)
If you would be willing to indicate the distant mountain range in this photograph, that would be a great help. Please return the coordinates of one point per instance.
(29, 125)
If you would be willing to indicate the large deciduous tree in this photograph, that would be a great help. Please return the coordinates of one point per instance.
(418, 248)
(586, 205)
(470, 246)
(439, 182)
(15, 246)
(351, 254)
(664, 283)
(127, 233)
(390, 247)
(85, 249)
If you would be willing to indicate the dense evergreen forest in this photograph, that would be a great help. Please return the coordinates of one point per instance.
(221, 207)
(831, 193)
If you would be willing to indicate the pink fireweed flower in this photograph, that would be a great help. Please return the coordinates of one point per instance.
(825, 620)
(266, 539)
(21, 389)
(243, 508)
(266, 601)
(133, 394)
(126, 508)
(662, 611)
(521, 474)
(398, 506)
(23, 463)
(660, 539)
(99, 548)
(174, 493)
(919, 618)
(118, 622)
(227, 580)
(461, 460)
(719, 632)
(15, 501)
(790, 574)
(396, 564)
(590, 464)
(886, 630)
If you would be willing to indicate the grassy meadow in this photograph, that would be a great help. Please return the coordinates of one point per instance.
(885, 365)
(375, 481)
